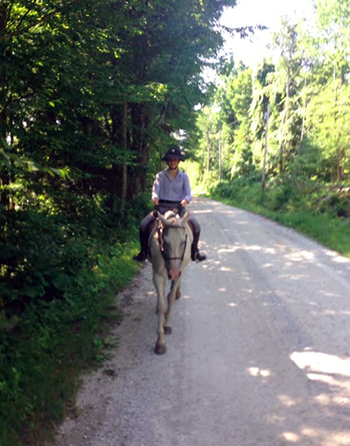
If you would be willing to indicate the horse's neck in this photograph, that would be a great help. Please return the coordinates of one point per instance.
(153, 231)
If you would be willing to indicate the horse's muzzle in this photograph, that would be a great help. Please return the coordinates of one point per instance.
(174, 273)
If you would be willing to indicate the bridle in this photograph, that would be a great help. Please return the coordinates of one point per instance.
(161, 243)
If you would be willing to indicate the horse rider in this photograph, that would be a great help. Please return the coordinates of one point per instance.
(171, 189)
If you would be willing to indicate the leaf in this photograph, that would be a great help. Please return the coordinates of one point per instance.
(62, 281)
(5, 159)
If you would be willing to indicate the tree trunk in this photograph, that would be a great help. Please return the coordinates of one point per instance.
(280, 146)
(302, 133)
(115, 171)
(220, 157)
(337, 175)
(124, 145)
(338, 172)
(267, 116)
(138, 177)
(284, 118)
(4, 8)
(208, 155)
(5, 176)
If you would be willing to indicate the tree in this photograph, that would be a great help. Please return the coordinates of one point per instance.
(288, 72)
(239, 92)
(328, 92)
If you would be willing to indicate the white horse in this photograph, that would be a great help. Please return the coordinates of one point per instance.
(170, 252)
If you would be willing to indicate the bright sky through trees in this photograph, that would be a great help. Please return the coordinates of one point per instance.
(257, 12)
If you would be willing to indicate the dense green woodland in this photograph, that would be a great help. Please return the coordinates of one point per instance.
(281, 134)
(91, 93)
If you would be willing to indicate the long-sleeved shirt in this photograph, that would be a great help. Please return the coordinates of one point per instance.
(164, 188)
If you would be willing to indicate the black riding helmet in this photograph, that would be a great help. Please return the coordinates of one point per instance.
(173, 152)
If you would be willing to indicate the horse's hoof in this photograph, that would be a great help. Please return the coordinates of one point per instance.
(168, 330)
(178, 294)
(160, 349)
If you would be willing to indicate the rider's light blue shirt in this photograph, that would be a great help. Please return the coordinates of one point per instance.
(164, 188)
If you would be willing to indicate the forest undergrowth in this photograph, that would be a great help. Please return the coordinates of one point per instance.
(61, 303)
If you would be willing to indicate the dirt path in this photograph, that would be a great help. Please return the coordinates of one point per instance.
(259, 355)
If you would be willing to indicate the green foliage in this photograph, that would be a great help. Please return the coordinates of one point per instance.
(224, 141)
(44, 349)
(305, 135)
(315, 210)
(241, 190)
(91, 93)
(328, 119)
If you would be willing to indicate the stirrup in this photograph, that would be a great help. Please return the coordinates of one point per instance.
(140, 257)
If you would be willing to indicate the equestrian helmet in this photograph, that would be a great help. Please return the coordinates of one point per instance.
(173, 152)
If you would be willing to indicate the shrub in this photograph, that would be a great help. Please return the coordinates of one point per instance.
(58, 278)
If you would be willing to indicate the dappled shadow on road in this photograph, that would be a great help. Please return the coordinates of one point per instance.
(259, 355)
(287, 303)
(314, 409)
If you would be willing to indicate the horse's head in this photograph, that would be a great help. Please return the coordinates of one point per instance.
(174, 242)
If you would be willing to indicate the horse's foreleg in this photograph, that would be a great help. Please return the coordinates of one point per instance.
(159, 283)
(178, 292)
(175, 286)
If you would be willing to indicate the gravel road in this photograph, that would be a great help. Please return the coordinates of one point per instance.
(259, 355)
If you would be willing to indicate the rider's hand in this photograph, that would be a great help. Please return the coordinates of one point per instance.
(183, 202)
(155, 201)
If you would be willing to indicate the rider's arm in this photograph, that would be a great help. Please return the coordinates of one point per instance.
(156, 189)
(187, 191)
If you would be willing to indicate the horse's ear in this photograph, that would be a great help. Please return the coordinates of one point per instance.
(185, 218)
(162, 219)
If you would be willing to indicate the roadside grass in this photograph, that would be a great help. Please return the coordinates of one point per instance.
(299, 212)
(42, 358)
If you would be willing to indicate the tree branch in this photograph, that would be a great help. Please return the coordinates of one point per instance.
(24, 16)
(44, 18)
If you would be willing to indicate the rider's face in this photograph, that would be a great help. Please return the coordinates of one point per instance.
(173, 163)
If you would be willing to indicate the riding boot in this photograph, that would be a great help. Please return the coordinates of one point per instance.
(142, 255)
(195, 253)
